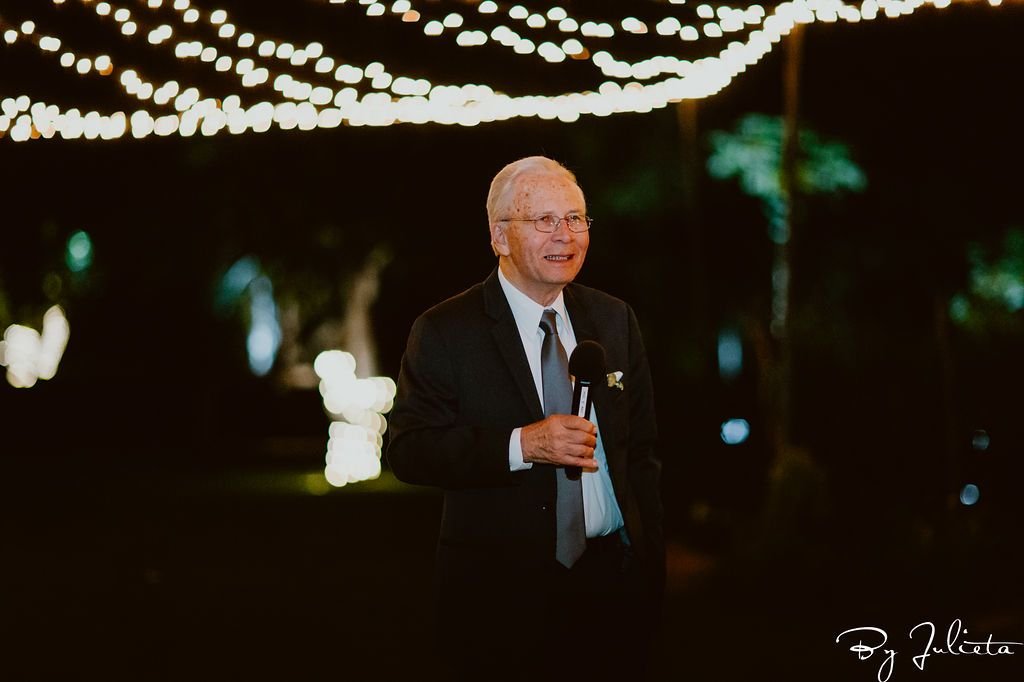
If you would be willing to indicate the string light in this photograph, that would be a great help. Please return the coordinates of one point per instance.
(550, 52)
(567, 24)
(402, 99)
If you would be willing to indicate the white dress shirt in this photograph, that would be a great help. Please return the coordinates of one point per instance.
(600, 509)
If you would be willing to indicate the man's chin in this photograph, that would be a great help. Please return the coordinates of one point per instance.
(563, 273)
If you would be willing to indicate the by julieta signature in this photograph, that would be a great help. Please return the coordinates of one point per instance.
(868, 641)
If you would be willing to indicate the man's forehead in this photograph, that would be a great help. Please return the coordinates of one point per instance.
(545, 185)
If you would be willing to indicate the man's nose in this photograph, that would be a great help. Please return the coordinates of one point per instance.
(562, 231)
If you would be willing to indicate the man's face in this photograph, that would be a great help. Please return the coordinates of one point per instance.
(540, 264)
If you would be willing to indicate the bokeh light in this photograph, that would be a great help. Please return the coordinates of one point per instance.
(735, 431)
(357, 406)
(758, 32)
(78, 254)
(30, 355)
(969, 495)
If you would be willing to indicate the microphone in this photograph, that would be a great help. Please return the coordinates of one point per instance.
(587, 365)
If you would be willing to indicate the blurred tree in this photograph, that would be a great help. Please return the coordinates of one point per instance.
(300, 296)
(753, 155)
(995, 296)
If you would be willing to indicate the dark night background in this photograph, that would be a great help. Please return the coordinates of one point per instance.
(163, 513)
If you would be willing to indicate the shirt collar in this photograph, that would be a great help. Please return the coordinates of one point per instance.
(528, 312)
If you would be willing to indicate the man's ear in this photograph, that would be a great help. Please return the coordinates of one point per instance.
(499, 239)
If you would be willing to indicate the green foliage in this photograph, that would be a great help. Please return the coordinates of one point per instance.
(995, 293)
(753, 155)
(1003, 280)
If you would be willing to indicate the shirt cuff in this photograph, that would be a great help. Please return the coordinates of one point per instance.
(515, 453)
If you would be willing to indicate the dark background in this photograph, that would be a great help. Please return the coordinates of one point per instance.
(162, 511)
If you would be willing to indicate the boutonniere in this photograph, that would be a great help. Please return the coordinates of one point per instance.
(615, 380)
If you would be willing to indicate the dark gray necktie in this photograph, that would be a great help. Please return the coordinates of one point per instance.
(571, 537)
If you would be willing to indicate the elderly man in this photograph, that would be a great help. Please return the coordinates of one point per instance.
(542, 573)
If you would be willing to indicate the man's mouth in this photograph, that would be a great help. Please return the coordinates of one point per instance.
(558, 259)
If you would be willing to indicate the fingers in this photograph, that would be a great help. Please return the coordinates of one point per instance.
(576, 439)
(578, 452)
(563, 440)
(586, 463)
(571, 422)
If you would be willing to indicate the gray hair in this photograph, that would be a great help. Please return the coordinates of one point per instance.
(504, 184)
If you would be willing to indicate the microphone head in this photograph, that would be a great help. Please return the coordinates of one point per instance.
(587, 362)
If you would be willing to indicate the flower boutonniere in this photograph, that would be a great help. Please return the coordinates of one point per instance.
(615, 380)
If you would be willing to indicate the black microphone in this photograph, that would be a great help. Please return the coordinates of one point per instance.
(587, 365)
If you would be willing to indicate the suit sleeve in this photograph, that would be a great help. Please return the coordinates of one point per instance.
(428, 445)
(644, 464)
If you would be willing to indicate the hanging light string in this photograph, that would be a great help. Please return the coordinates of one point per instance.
(393, 99)
(455, 25)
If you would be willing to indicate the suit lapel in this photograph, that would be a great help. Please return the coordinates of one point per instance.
(585, 330)
(609, 410)
(506, 334)
(582, 326)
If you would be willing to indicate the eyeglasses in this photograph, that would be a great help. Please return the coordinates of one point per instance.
(550, 223)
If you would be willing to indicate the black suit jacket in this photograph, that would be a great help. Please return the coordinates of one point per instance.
(465, 384)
